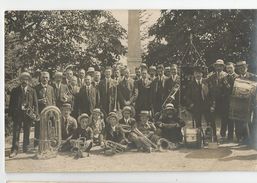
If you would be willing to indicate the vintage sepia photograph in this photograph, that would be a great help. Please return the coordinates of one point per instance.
(130, 90)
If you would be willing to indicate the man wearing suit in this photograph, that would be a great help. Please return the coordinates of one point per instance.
(143, 101)
(215, 88)
(108, 88)
(228, 83)
(22, 98)
(46, 97)
(157, 90)
(170, 83)
(88, 97)
(244, 130)
(127, 92)
(199, 100)
(96, 79)
(61, 91)
(81, 77)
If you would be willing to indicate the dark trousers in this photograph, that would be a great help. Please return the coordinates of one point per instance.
(21, 122)
(36, 133)
(209, 117)
(242, 130)
(227, 125)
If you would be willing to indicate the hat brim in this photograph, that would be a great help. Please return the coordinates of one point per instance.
(132, 111)
(112, 116)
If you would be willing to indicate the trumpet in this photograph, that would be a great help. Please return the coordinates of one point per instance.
(172, 94)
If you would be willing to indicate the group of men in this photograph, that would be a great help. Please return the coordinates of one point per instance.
(151, 90)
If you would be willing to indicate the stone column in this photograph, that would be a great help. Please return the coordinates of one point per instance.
(134, 45)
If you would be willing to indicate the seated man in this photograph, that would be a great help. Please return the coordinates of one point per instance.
(68, 127)
(144, 134)
(114, 131)
(170, 124)
(98, 126)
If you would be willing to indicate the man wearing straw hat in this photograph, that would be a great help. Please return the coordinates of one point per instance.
(22, 98)
(215, 83)
(170, 124)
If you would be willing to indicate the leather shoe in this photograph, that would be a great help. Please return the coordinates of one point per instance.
(13, 154)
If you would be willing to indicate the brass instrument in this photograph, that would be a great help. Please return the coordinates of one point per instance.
(126, 128)
(79, 146)
(114, 146)
(172, 94)
(31, 114)
(144, 138)
(50, 132)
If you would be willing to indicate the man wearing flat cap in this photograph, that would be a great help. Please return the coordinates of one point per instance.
(61, 90)
(242, 70)
(22, 98)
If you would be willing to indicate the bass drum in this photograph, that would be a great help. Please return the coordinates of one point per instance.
(243, 100)
(193, 137)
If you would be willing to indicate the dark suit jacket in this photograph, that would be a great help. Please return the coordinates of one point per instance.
(49, 95)
(143, 101)
(127, 92)
(107, 96)
(158, 93)
(87, 99)
(60, 93)
(199, 96)
(15, 106)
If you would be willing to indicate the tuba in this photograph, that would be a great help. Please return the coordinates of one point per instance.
(50, 132)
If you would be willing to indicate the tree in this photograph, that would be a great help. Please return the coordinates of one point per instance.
(226, 34)
(51, 39)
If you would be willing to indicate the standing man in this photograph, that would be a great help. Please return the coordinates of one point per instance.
(127, 92)
(215, 81)
(152, 73)
(88, 97)
(81, 77)
(167, 71)
(97, 78)
(68, 76)
(138, 73)
(61, 91)
(143, 101)
(228, 83)
(22, 97)
(91, 71)
(199, 100)
(244, 129)
(170, 83)
(157, 90)
(46, 97)
(108, 88)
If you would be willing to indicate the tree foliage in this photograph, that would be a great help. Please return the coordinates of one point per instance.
(51, 39)
(226, 34)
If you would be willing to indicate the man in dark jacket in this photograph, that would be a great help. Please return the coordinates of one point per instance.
(88, 97)
(22, 98)
(158, 90)
(127, 91)
(46, 97)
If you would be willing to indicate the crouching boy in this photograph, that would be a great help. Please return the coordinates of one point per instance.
(98, 127)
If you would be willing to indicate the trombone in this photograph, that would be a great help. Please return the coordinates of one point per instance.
(172, 94)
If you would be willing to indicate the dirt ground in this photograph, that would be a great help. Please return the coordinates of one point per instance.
(229, 157)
